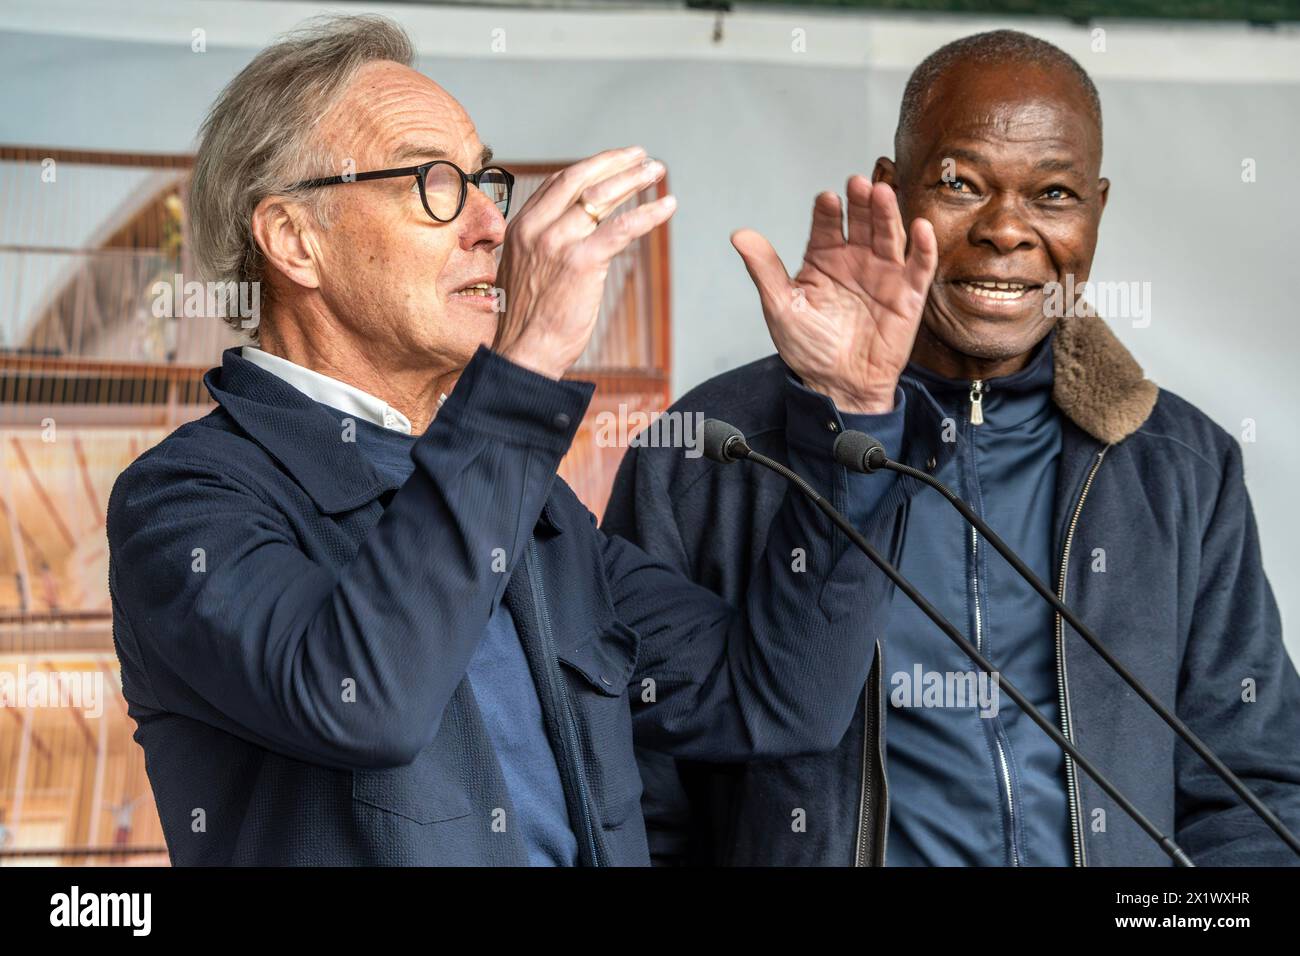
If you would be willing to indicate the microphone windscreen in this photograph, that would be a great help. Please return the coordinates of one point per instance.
(854, 450)
(719, 439)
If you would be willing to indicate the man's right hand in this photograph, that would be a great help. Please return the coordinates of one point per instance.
(556, 256)
(846, 323)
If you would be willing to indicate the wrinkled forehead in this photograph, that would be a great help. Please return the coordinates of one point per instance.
(1008, 111)
(392, 115)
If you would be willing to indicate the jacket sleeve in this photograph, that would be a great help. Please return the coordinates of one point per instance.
(780, 674)
(1239, 692)
(349, 667)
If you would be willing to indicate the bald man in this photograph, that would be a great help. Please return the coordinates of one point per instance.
(1125, 496)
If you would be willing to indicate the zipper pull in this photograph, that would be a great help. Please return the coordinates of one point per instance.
(977, 402)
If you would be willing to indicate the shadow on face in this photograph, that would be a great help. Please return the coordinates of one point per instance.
(1004, 161)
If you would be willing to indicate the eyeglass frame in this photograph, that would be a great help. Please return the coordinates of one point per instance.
(420, 173)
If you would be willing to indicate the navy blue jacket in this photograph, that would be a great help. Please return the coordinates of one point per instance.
(294, 631)
(1183, 602)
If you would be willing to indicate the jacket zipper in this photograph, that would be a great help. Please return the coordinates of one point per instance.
(1063, 691)
(977, 402)
(882, 820)
(872, 730)
(864, 781)
(573, 754)
(1004, 771)
(1011, 804)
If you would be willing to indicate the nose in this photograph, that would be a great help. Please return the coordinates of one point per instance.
(481, 224)
(1001, 224)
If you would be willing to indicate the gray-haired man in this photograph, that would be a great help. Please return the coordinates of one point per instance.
(359, 625)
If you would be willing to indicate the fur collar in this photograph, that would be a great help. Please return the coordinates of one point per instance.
(1098, 384)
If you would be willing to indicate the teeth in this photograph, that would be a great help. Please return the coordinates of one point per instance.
(995, 290)
(479, 288)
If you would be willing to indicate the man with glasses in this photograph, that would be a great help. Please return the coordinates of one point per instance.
(359, 623)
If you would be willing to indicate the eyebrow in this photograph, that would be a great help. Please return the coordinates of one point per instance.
(418, 151)
(969, 155)
(1051, 164)
(1056, 165)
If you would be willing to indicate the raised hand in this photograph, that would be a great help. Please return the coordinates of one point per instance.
(556, 255)
(845, 324)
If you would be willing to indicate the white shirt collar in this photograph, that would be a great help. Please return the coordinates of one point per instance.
(330, 391)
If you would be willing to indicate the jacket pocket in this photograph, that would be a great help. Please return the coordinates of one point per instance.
(597, 672)
(428, 790)
(606, 660)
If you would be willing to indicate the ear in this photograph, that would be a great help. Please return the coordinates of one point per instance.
(1103, 191)
(282, 232)
(885, 172)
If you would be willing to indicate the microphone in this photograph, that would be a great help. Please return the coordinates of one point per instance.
(723, 443)
(727, 448)
(860, 452)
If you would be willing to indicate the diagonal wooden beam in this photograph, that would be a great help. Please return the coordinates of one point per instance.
(85, 480)
(41, 493)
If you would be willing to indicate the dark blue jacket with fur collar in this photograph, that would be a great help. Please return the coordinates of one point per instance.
(1184, 605)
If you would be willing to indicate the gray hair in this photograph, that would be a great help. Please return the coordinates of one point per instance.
(258, 138)
(993, 48)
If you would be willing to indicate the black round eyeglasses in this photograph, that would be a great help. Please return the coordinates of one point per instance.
(443, 185)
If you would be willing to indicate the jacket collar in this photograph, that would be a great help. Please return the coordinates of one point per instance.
(297, 432)
(1009, 400)
(1096, 382)
(303, 436)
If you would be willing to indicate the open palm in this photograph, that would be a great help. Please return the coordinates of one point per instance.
(846, 323)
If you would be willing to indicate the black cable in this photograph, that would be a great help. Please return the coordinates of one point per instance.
(737, 448)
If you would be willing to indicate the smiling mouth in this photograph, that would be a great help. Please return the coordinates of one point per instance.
(478, 289)
(996, 291)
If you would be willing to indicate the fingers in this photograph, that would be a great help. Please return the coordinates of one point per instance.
(827, 222)
(562, 190)
(606, 196)
(923, 258)
(888, 239)
(765, 268)
(859, 192)
(614, 235)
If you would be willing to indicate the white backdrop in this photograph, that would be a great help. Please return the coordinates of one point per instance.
(785, 104)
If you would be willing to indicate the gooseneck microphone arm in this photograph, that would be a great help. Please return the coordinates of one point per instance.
(860, 452)
(726, 444)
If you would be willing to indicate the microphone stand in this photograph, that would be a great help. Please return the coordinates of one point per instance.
(724, 443)
(867, 455)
